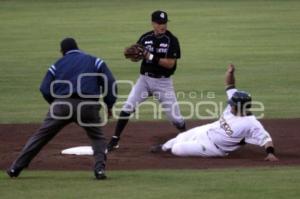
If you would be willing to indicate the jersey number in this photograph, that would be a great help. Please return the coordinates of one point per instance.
(225, 126)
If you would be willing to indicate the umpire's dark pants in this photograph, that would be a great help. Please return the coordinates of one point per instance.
(86, 117)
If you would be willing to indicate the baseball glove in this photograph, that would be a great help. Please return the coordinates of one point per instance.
(135, 52)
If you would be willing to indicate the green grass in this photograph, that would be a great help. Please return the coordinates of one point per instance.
(257, 183)
(261, 37)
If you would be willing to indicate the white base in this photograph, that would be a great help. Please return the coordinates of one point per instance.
(80, 150)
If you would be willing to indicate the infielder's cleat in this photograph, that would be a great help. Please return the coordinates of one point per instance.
(13, 173)
(100, 175)
(113, 144)
(181, 127)
(156, 149)
(111, 147)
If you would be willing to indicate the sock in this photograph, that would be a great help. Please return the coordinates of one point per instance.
(122, 122)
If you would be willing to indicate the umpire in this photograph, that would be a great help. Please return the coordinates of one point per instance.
(72, 86)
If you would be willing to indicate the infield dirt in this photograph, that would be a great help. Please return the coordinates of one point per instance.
(137, 138)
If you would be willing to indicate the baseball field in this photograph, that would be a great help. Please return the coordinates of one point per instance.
(261, 37)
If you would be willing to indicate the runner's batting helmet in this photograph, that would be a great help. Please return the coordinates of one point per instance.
(241, 99)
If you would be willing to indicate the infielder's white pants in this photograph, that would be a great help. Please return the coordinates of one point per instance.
(193, 142)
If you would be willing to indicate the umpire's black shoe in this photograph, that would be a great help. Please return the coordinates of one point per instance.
(156, 149)
(113, 143)
(100, 175)
(13, 173)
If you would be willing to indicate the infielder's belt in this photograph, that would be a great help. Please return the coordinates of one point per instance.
(154, 75)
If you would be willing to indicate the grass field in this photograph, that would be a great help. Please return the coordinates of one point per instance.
(218, 184)
(261, 37)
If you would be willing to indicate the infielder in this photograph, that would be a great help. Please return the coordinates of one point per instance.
(159, 50)
(236, 127)
(72, 87)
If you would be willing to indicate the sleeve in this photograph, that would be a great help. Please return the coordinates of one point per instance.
(46, 84)
(174, 49)
(230, 92)
(258, 135)
(112, 89)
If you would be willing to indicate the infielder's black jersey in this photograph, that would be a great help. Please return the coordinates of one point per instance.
(162, 46)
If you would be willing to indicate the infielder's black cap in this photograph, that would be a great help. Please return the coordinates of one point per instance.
(68, 44)
(159, 17)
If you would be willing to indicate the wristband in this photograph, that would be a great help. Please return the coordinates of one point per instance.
(154, 59)
(230, 86)
(270, 149)
(151, 56)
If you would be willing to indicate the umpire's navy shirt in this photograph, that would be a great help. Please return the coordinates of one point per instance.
(69, 68)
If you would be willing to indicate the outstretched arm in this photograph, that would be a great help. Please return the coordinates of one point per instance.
(259, 136)
(230, 79)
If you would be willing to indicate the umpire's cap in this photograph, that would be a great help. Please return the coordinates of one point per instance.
(68, 44)
(241, 99)
(159, 17)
